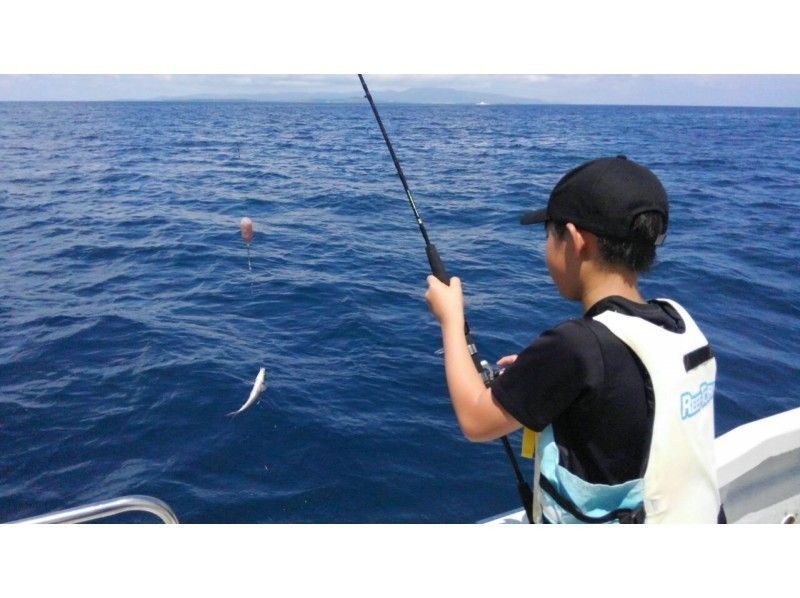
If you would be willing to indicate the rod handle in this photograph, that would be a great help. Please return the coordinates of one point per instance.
(439, 271)
(437, 267)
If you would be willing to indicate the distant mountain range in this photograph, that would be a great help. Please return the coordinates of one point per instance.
(429, 95)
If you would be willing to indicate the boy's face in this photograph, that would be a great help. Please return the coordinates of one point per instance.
(558, 258)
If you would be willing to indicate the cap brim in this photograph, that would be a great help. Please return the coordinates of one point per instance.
(534, 217)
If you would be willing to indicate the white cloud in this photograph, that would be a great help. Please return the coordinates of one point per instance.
(537, 78)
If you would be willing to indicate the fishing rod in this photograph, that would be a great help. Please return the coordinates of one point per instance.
(438, 270)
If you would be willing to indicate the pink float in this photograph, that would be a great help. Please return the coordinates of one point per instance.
(246, 226)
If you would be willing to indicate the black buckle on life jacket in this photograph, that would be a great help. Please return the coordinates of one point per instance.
(632, 516)
(697, 357)
(636, 515)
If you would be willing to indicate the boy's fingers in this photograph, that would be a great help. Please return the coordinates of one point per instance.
(455, 281)
(507, 360)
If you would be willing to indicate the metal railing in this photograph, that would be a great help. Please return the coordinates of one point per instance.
(108, 508)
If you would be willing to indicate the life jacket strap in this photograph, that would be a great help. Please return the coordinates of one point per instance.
(636, 515)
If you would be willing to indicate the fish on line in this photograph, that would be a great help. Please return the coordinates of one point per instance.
(258, 387)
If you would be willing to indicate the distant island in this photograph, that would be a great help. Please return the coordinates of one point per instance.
(429, 95)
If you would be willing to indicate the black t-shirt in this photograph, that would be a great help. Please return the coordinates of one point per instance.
(592, 388)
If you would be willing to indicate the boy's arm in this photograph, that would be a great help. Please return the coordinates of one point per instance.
(480, 417)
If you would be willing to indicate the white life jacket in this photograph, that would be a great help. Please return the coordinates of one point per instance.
(679, 480)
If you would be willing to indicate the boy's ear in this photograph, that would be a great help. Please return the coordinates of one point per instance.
(577, 237)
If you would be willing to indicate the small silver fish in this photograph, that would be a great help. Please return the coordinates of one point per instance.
(258, 387)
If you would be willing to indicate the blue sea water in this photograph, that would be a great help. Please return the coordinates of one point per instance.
(130, 323)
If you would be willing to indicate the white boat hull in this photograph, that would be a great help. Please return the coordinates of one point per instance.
(758, 470)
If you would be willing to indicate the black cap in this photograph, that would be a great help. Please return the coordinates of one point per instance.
(603, 196)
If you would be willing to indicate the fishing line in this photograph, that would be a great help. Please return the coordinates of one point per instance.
(439, 271)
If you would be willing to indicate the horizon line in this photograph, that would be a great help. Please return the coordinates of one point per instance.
(179, 100)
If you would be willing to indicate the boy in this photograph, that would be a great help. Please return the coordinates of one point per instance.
(621, 398)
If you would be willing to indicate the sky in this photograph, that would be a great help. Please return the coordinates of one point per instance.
(558, 43)
(695, 90)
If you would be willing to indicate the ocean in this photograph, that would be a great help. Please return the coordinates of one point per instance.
(131, 324)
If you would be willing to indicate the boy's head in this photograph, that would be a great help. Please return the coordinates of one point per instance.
(623, 205)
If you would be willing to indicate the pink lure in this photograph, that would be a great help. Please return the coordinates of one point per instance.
(246, 225)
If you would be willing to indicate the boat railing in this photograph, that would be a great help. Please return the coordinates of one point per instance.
(108, 508)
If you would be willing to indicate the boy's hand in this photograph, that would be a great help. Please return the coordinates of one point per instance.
(506, 361)
(445, 302)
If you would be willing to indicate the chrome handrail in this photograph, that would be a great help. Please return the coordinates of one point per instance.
(108, 508)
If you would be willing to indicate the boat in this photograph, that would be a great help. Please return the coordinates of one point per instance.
(108, 508)
(758, 472)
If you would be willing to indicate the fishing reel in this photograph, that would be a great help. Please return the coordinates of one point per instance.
(488, 372)
(485, 369)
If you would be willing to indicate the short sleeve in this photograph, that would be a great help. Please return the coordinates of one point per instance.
(559, 367)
